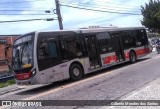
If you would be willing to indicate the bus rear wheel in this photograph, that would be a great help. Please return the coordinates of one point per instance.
(76, 72)
(132, 57)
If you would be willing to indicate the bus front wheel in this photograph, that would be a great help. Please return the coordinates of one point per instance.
(76, 72)
(132, 57)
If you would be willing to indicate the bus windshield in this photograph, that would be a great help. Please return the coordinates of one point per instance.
(22, 60)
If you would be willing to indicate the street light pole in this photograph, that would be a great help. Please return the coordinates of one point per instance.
(59, 14)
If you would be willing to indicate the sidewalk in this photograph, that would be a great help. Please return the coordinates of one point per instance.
(16, 87)
(150, 91)
(8, 89)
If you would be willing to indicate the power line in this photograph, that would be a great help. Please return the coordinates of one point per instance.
(103, 2)
(100, 10)
(25, 14)
(117, 4)
(20, 1)
(118, 7)
(47, 19)
(25, 8)
(20, 10)
(101, 7)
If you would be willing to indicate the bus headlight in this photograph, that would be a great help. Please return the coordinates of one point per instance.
(33, 73)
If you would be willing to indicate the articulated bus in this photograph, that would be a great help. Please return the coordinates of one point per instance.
(45, 57)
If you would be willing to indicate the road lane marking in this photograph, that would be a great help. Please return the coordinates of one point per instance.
(67, 86)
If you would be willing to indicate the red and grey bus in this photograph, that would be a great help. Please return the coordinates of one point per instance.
(45, 57)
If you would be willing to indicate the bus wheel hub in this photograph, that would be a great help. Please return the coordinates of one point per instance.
(76, 72)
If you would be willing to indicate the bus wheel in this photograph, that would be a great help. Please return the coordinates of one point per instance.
(132, 57)
(76, 72)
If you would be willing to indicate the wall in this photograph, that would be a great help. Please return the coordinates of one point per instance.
(10, 40)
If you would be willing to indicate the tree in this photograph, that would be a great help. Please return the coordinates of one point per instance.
(151, 15)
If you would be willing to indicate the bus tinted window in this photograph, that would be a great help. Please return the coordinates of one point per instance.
(52, 48)
(71, 47)
(128, 39)
(141, 37)
(42, 50)
(47, 52)
(105, 42)
(46, 49)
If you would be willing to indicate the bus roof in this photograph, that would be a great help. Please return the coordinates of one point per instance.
(88, 30)
(108, 29)
(94, 30)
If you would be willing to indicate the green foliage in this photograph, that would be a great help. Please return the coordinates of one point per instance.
(151, 15)
(3, 85)
(9, 82)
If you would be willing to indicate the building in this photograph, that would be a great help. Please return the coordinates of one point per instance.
(6, 50)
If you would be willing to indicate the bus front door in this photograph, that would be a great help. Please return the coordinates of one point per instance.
(118, 47)
(92, 51)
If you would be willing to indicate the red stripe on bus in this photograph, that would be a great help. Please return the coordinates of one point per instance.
(126, 55)
(147, 50)
(142, 51)
(138, 52)
(110, 59)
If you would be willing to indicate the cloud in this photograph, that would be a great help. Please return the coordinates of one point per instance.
(128, 21)
(72, 18)
(13, 5)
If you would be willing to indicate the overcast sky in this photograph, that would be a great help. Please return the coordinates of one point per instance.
(73, 18)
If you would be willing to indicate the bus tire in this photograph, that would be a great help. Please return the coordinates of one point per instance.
(132, 57)
(76, 72)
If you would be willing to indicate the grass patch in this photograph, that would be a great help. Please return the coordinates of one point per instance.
(5, 84)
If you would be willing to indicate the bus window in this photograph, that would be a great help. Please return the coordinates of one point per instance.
(71, 47)
(80, 47)
(47, 52)
(47, 49)
(141, 37)
(42, 50)
(105, 42)
(128, 39)
(52, 48)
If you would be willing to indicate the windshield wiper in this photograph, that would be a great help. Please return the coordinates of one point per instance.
(16, 62)
(23, 49)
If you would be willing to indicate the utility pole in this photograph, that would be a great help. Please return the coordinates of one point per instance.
(59, 14)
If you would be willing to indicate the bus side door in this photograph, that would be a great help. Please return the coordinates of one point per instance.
(118, 47)
(93, 53)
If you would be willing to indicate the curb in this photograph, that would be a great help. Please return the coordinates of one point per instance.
(4, 79)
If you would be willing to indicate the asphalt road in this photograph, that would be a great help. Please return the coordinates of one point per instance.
(109, 84)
